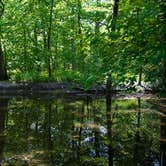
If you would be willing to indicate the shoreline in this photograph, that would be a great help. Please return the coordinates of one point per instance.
(60, 90)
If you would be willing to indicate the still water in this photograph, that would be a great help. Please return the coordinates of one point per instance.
(82, 132)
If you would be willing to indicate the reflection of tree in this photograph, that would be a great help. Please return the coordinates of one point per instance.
(137, 135)
(109, 120)
(48, 133)
(96, 134)
(163, 139)
(80, 131)
(74, 154)
(137, 148)
(3, 111)
(50, 140)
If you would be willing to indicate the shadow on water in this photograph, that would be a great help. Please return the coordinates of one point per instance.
(88, 131)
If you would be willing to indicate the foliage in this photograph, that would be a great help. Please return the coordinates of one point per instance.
(75, 42)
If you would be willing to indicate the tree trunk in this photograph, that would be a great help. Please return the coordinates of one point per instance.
(114, 15)
(45, 47)
(79, 32)
(25, 49)
(3, 71)
(162, 4)
(37, 58)
(140, 76)
(73, 43)
(164, 75)
(73, 52)
(79, 17)
(109, 92)
(49, 40)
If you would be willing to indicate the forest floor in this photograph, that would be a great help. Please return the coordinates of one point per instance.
(56, 89)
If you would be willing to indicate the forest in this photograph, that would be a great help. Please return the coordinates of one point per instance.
(62, 63)
(84, 41)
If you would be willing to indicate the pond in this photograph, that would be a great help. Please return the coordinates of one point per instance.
(78, 132)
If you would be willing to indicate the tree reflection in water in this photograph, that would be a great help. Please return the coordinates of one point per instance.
(87, 131)
(137, 147)
(109, 128)
(163, 134)
(3, 113)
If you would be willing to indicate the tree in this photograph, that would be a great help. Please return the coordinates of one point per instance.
(83, 41)
(3, 72)
(163, 39)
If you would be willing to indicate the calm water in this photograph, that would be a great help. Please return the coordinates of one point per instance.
(66, 132)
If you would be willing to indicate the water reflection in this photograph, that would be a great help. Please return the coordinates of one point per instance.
(3, 113)
(109, 127)
(137, 147)
(163, 133)
(81, 132)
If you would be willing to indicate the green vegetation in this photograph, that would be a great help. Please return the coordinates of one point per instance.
(82, 41)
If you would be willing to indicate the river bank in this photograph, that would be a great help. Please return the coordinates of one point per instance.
(61, 90)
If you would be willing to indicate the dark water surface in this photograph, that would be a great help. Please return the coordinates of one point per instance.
(70, 132)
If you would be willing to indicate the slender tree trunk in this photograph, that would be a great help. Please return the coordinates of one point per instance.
(3, 71)
(25, 48)
(44, 40)
(162, 17)
(49, 39)
(45, 47)
(73, 44)
(79, 32)
(36, 48)
(109, 92)
(79, 17)
(54, 62)
(115, 14)
(164, 75)
(96, 46)
(140, 76)
(73, 52)
(140, 66)
(97, 23)
(109, 75)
